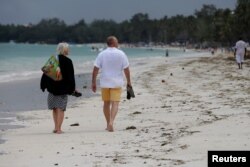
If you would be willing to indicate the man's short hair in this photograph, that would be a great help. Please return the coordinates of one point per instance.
(111, 40)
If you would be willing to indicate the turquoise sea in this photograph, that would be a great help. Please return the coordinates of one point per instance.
(24, 61)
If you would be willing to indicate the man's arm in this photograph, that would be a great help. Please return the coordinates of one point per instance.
(94, 75)
(127, 74)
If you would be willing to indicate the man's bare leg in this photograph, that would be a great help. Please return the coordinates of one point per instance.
(114, 110)
(106, 111)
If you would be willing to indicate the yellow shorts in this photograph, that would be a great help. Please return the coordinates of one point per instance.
(111, 94)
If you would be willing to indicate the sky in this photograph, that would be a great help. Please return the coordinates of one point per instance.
(71, 11)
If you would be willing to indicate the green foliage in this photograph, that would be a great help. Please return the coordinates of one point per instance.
(242, 18)
(208, 25)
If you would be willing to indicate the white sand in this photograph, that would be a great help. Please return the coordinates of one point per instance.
(204, 105)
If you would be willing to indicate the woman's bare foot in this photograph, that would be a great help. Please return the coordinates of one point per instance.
(59, 132)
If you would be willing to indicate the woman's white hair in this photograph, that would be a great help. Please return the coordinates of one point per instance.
(61, 47)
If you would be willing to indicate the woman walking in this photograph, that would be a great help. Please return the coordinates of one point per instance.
(59, 90)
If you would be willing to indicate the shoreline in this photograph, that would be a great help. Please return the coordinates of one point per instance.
(193, 104)
(22, 96)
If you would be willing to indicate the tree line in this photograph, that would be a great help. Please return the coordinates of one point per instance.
(209, 26)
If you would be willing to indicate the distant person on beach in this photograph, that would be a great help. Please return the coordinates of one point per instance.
(166, 53)
(112, 62)
(59, 90)
(212, 51)
(240, 51)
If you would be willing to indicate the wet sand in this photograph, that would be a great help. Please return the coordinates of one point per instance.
(26, 95)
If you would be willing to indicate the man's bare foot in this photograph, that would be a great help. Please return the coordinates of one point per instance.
(110, 128)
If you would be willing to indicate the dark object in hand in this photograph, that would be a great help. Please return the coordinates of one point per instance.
(76, 94)
(130, 92)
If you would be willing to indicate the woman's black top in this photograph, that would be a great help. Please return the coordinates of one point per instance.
(66, 85)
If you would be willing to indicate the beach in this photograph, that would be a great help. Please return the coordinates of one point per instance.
(183, 108)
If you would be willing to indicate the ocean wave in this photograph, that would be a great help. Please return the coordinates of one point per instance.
(26, 75)
(15, 76)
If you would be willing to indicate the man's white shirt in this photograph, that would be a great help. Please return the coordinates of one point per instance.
(112, 62)
(240, 47)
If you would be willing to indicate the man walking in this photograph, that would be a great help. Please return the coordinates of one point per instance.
(240, 51)
(112, 62)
